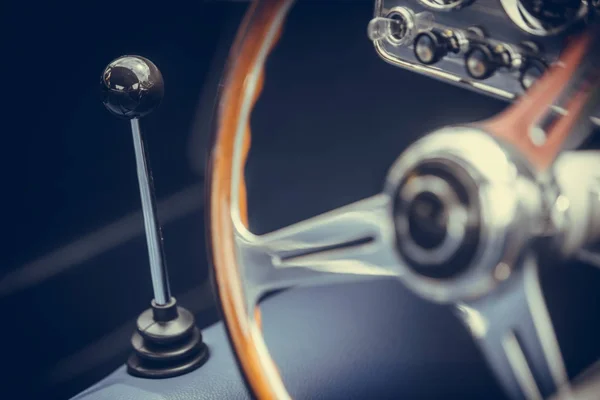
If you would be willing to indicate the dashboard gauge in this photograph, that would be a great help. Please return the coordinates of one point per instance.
(545, 17)
(445, 5)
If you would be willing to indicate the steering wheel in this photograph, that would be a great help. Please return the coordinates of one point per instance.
(466, 217)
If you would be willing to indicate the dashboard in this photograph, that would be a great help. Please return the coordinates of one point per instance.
(496, 47)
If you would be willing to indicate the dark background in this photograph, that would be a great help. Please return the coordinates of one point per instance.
(73, 267)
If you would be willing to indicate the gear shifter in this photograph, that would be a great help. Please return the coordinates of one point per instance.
(166, 342)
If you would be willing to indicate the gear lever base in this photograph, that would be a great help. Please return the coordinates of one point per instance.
(166, 343)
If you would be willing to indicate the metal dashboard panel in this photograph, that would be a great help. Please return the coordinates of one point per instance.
(488, 15)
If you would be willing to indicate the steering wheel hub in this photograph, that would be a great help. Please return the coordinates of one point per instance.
(464, 203)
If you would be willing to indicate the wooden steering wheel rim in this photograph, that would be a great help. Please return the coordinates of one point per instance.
(257, 35)
(226, 203)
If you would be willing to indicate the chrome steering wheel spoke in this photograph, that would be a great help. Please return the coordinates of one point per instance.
(354, 242)
(514, 330)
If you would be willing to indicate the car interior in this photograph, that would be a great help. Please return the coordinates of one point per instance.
(307, 199)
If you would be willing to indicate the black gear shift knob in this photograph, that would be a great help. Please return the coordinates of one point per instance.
(132, 87)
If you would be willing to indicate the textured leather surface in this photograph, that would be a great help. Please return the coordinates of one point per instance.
(217, 379)
(359, 341)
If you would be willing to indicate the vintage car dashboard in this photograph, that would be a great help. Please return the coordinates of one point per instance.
(496, 47)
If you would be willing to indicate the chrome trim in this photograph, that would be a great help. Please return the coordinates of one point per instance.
(440, 74)
(454, 6)
(462, 41)
(517, 60)
(408, 18)
(543, 325)
(530, 24)
(154, 240)
(579, 216)
(354, 242)
(410, 25)
(532, 365)
(518, 363)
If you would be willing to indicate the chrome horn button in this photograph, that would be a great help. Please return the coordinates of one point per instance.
(464, 204)
(437, 219)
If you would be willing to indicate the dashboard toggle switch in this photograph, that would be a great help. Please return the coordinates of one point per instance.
(400, 26)
(530, 74)
(430, 47)
(481, 62)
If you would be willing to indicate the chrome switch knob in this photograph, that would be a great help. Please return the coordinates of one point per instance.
(531, 73)
(431, 47)
(481, 62)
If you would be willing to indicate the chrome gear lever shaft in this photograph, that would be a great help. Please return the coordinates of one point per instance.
(158, 266)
